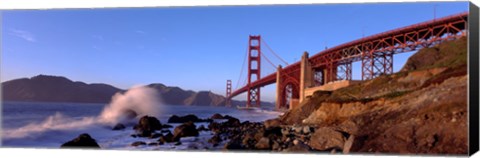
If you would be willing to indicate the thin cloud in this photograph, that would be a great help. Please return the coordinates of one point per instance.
(23, 35)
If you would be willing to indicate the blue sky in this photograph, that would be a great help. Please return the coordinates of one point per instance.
(196, 48)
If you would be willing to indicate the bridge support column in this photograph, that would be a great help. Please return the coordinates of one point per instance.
(375, 64)
(344, 71)
(279, 96)
(330, 73)
(254, 58)
(306, 76)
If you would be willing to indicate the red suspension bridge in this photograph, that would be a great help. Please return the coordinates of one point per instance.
(374, 52)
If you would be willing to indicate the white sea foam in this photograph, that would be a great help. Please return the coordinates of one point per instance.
(142, 100)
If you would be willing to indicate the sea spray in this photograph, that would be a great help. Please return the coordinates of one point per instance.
(141, 100)
(55, 122)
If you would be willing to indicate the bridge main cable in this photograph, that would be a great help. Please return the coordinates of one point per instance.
(273, 52)
(243, 66)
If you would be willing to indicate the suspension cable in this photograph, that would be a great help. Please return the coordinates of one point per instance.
(263, 41)
(273, 65)
(243, 66)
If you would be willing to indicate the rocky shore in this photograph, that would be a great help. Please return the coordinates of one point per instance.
(422, 109)
(229, 133)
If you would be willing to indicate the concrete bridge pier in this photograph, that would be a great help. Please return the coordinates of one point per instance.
(306, 76)
(279, 95)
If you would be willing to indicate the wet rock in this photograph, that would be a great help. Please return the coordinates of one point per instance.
(155, 135)
(216, 116)
(326, 138)
(202, 128)
(263, 144)
(273, 132)
(129, 113)
(248, 141)
(228, 117)
(214, 126)
(215, 140)
(185, 130)
(166, 138)
(233, 145)
(138, 143)
(166, 126)
(233, 122)
(272, 123)
(118, 126)
(184, 119)
(147, 125)
(82, 141)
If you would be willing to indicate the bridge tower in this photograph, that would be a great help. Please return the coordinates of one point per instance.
(228, 100)
(254, 54)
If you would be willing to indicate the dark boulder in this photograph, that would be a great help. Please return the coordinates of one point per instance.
(273, 123)
(263, 144)
(215, 140)
(185, 130)
(215, 127)
(202, 128)
(233, 145)
(155, 135)
(273, 132)
(233, 122)
(118, 126)
(138, 143)
(166, 138)
(129, 113)
(184, 119)
(147, 125)
(227, 117)
(82, 141)
(216, 116)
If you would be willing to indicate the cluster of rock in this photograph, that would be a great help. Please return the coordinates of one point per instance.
(186, 118)
(271, 135)
(151, 127)
(274, 136)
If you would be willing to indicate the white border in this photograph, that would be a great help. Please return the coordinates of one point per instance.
(57, 4)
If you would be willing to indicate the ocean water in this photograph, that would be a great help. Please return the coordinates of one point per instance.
(48, 125)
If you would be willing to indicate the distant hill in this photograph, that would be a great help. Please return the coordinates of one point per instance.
(56, 89)
(45, 88)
